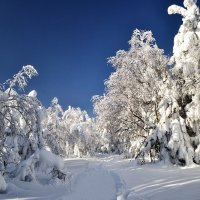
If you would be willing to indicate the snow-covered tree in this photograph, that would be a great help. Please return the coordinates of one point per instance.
(71, 132)
(22, 126)
(55, 134)
(178, 128)
(20, 121)
(81, 135)
(149, 103)
(130, 105)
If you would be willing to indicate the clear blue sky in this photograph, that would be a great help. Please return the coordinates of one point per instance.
(69, 41)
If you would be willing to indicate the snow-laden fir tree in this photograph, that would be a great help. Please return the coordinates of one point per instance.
(178, 130)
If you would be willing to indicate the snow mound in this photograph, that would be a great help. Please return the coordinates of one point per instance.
(50, 160)
(33, 94)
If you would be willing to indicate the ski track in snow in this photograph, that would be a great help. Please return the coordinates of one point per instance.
(112, 178)
(96, 183)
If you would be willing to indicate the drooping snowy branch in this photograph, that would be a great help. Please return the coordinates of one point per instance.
(174, 9)
(186, 43)
(21, 78)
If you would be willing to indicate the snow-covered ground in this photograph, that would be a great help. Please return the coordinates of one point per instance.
(113, 178)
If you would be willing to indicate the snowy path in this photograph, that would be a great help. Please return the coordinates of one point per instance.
(156, 181)
(112, 178)
(94, 182)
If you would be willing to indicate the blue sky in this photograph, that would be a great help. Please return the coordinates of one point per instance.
(69, 41)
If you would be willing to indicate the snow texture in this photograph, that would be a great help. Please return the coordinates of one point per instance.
(111, 177)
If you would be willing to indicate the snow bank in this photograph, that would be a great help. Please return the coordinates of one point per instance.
(50, 160)
(46, 161)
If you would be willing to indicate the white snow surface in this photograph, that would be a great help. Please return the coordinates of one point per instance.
(113, 178)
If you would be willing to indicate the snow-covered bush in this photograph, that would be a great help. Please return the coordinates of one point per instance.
(26, 169)
(41, 161)
(53, 164)
(47, 160)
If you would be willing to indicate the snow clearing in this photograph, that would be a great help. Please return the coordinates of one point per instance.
(112, 178)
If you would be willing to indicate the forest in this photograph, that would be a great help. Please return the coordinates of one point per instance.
(149, 112)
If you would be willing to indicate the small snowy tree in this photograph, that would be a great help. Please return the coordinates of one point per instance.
(21, 119)
(21, 78)
(69, 133)
(81, 136)
(54, 133)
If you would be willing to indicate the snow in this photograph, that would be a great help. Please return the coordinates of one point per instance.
(112, 177)
(33, 94)
(50, 160)
(3, 184)
(186, 42)
(26, 170)
(95, 183)
(142, 100)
